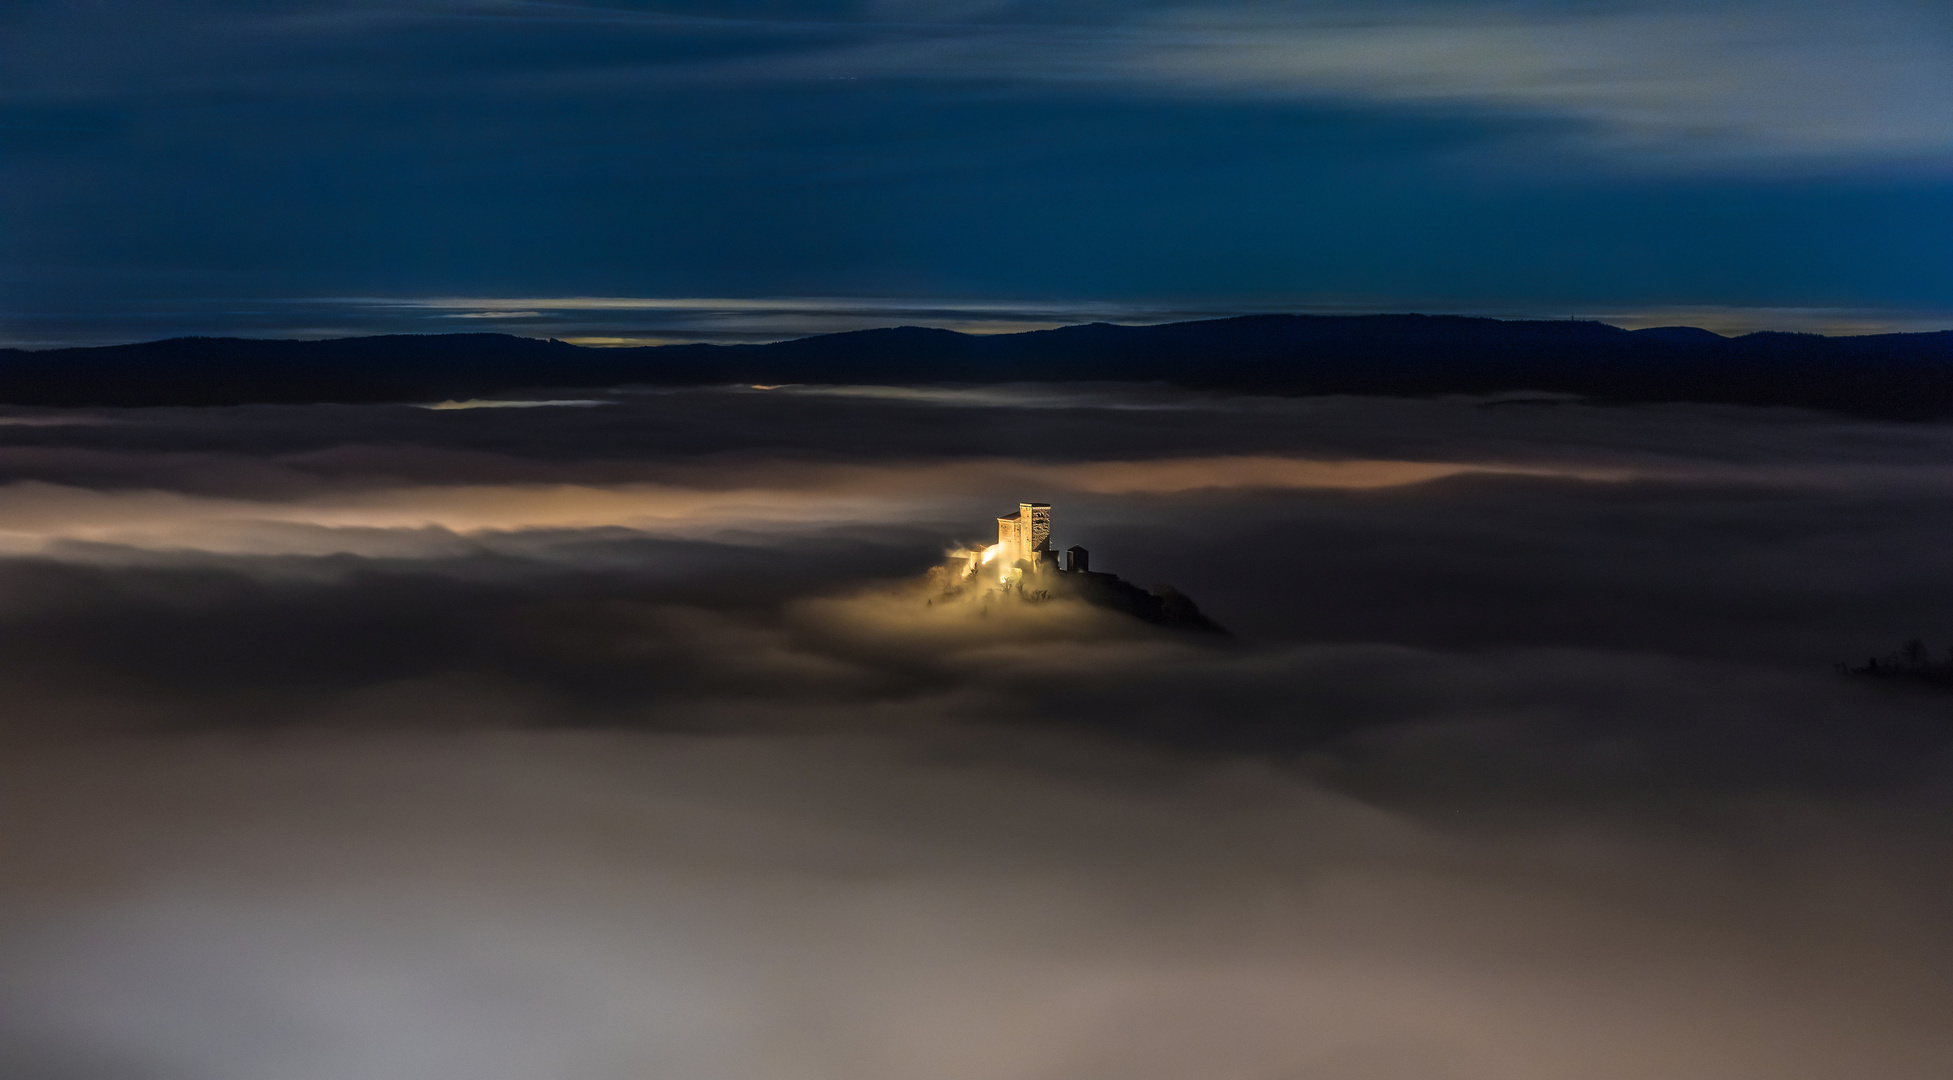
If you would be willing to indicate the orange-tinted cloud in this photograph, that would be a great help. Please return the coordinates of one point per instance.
(692, 500)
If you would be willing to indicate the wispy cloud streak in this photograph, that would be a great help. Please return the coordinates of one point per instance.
(1658, 80)
(1647, 80)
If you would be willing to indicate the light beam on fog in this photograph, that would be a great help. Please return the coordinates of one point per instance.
(766, 497)
(704, 501)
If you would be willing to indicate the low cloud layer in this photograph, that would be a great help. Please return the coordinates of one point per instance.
(353, 741)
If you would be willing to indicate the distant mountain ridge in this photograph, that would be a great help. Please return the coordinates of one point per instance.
(1899, 376)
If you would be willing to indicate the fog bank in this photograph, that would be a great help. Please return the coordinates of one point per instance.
(604, 742)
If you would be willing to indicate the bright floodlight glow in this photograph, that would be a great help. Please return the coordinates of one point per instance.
(990, 552)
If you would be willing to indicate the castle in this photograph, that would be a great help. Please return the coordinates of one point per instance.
(1021, 566)
(1023, 548)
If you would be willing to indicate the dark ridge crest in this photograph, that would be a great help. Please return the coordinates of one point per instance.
(1893, 376)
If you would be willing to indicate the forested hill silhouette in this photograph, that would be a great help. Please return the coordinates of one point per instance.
(1902, 376)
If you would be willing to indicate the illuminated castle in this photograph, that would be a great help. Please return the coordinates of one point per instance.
(1021, 567)
(1023, 547)
(1026, 532)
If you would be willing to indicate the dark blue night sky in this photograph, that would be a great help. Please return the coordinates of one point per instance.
(293, 168)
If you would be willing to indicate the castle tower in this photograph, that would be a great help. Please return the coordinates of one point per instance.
(1035, 529)
(1025, 534)
(1010, 532)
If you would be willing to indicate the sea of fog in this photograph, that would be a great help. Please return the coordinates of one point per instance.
(605, 738)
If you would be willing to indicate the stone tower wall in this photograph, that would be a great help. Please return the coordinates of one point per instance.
(1034, 524)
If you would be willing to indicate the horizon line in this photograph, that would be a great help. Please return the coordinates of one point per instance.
(604, 322)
